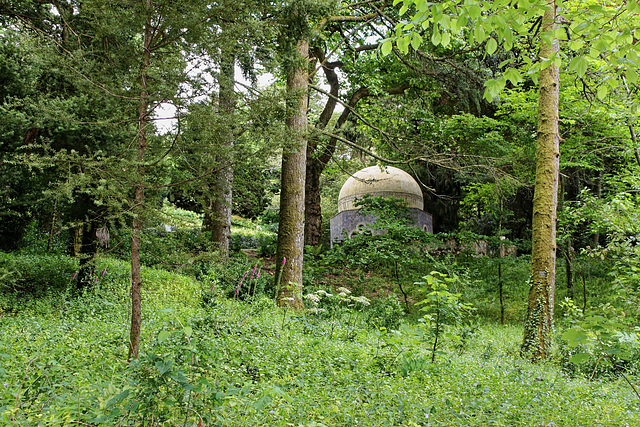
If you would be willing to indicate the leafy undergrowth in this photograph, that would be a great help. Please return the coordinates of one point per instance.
(233, 363)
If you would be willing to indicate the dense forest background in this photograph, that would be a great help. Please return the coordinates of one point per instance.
(210, 140)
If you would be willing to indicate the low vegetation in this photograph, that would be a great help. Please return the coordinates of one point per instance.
(217, 351)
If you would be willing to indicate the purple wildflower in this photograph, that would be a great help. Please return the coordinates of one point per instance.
(95, 281)
(241, 281)
(284, 260)
(253, 274)
(74, 275)
(104, 271)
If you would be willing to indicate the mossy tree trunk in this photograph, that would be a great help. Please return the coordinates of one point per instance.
(539, 318)
(221, 203)
(290, 249)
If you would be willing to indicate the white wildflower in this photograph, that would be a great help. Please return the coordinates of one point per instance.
(323, 293)
(343, 290)
(362, 300)
(313, 298)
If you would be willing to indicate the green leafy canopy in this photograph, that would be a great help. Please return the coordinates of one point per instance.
(595, 38)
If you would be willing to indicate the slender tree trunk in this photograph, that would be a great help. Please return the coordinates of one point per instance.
(292, 193)
(85, 247)
(539, 318)
(501, 291)
(221, 203)
(569, 256)
(136, 229)
(53, 224)
(596, 236)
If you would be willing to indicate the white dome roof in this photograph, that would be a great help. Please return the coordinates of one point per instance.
(385, 182)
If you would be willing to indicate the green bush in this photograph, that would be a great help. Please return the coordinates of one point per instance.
(34, 240)
(385, 312)
(36, 274)
(598, 344)
(267, 245)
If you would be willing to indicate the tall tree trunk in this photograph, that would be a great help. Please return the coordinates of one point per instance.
(539, 319)
(222, 199)
(290, 249)
(85, 247)
(136, 228)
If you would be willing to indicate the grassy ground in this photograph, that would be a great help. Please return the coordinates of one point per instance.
(233, 363)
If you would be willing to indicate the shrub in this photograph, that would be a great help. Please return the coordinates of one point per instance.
(599, 344)
(385, 312)
(267, 245)
(247, 235)
(36, 274)
(442, 308)
(35, 241)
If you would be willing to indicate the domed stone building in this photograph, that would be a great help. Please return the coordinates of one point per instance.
(377, 181)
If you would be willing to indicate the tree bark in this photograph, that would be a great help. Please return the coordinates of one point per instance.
(290, 248)
(223, 195)
(136, 229)
(313, 210)
(539, 319)
(88, 250)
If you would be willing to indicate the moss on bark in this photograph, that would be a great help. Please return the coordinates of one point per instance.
(292, 193)
(539, 319)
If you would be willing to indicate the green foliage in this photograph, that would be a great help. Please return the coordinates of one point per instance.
(249, 235)
(35, 241)
(253, 188)
(337, 306)
(62, 361)
(179, 219)
(480, 284)
(600, 344)
(599, 36)
(385, 312)
(485, 209)
(238, 278)
(35, 275)
(616, 216)
(183, 250)
(389, 241)
(442, 308)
